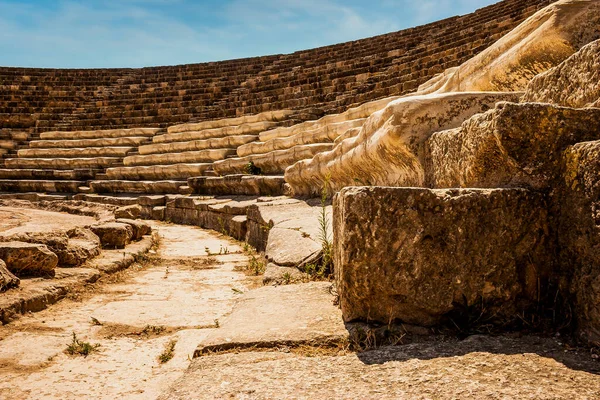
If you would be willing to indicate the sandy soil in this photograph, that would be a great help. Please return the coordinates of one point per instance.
(176, 297)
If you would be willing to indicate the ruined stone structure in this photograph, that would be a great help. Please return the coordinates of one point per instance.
(463, 158)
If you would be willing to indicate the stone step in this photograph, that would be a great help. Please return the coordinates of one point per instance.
(77, 174)
(362, 111)
(350, 133)
(158, 172)
(105, 142)
(247, 185)
(274, 162)
(195, 145)
(44, 186)
(61, 163)
(202, 156)
(244, 129)
(320, 134)
(88, 152)
(99, 134)
(278, 115)
(138, 187)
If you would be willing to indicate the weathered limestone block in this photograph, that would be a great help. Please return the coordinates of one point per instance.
(113, 235)
(574, 83)
(389, 149)
(75, 152)
(417, 255)
(104, 142)
(362, 111)
(61, 163)
(130, 212)
(158, 213)
(99, 134)
(7, 279)
(321, 134)
(157, 172)
(253, 185)
(28, 259)
(541, 42)
(140, 228)
(579, 234)
(83, 244)
(267, 116)
(213, 133)
(189, 157)
(145, 187)
(227, 142)
(516, 145)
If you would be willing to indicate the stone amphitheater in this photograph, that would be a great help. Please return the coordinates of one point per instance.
(412, 215)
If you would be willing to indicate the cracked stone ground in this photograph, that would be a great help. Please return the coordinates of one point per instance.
(269, 342)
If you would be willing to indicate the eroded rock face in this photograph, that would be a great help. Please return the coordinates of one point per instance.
(516, 145)
(28, 259)
(574, 83)
(140, 228)
(83, 244)
(579, 234)
(7, 279)
(416, 255)
(388, 151)
(114, 234)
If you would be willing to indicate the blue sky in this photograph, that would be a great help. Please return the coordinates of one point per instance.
(137, 33)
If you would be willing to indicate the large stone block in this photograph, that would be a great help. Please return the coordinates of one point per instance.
(418, 255)
(579, 234)
(513, 145)
(114, 235)
(28, 259)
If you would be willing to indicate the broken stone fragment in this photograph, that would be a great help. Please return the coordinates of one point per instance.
(140, 228)
(7, 279)
(28, 259)
(129, 212)
(114, 235)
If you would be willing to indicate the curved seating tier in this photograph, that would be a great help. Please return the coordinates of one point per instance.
(330, 79)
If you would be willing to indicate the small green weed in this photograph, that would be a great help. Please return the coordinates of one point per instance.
(168, 352)
(79, 348)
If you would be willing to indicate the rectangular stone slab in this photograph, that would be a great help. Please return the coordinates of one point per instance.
(416, 255)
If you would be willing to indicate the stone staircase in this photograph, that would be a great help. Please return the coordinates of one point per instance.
(64, 161)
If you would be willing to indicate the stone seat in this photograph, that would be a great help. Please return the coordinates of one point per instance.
(99, 134)
(44, 186)
(61, 163)
(158, 172)
(244, 129)
(87, 152)
(76, 174)
(195, 145)
(274, 162)
(246, 185)
(220, 123)
(322, 134)
(202, 156)
(138, 187)
(111, 142)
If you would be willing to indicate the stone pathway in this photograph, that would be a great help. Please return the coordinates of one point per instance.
(179, 296)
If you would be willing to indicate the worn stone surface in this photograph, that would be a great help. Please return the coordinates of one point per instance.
(573, 83)
(389, 150)
(517, 145)
(28, 259)
(140, 228)
(113, 235)
(7, 279)
(579, 234)
(417, 255)
(479, 367)
(263, 318)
